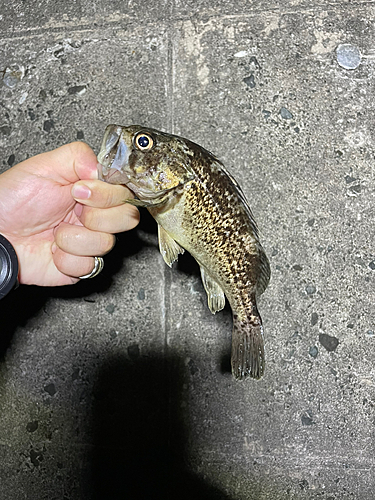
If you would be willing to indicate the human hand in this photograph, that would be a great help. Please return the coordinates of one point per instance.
(58, 216)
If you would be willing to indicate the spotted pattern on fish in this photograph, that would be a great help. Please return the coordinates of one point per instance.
(201, 209)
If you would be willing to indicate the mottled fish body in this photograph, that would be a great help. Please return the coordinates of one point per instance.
(199, 207)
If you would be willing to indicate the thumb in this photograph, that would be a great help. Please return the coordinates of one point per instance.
(69, 163)
(85, 161)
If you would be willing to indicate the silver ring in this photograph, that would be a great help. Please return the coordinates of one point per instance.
(98, 268)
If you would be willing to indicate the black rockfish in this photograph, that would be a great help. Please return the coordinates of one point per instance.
(199, 207)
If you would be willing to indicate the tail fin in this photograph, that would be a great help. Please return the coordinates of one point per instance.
(248, 346)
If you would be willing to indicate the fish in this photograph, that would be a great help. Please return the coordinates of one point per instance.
(199, 207)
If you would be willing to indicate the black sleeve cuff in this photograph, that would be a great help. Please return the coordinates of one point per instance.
(8, 267)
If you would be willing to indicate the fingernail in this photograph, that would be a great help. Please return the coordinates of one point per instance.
(53, 247)
(78, 209)
(81, 192)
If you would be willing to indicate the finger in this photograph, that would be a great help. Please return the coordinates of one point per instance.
(110, 220)
(71, 162)
(86, 162)
(73, 265)
(99, 194)
(78, 240)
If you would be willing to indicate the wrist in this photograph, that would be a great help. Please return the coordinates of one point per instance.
(8, 267)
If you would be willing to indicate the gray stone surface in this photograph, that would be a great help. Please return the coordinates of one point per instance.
(119, 387)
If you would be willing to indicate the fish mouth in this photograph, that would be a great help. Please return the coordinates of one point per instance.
(111, 175)
(113, 157)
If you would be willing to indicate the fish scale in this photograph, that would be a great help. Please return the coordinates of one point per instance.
(199, 207)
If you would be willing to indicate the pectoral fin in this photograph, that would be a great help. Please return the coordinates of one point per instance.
(157, 202)
(169, 248)
(215, 294)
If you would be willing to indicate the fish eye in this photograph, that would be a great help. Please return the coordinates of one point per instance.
(143, 142)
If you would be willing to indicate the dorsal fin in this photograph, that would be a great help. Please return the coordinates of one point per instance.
(241, 196)
(264, 272)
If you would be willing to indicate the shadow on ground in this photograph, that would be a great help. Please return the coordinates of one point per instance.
(16, 309)
(140, 439)
(25, 302)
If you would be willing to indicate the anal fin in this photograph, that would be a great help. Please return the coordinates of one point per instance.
(215, 294)
(248, 346)
(168, 247)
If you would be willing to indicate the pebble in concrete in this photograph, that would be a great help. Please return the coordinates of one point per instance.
(348, 56)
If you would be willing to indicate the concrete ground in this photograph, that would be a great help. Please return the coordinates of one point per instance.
(118, 388)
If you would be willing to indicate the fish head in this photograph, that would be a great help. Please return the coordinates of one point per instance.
(147, 161)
